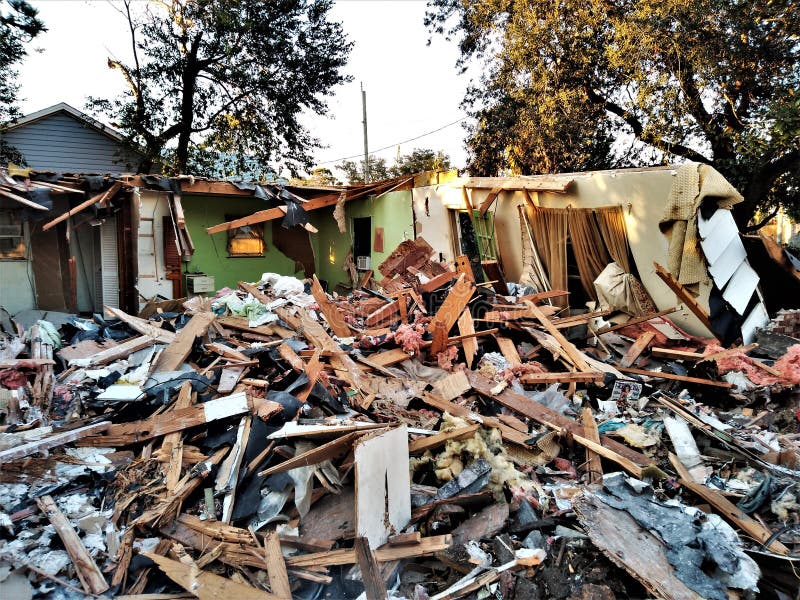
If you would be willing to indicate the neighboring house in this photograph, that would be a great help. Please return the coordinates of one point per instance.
(62, 139)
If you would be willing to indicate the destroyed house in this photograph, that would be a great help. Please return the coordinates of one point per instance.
(527, 392)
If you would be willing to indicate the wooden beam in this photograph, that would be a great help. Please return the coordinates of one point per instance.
(490, 198)
(572, 352)
(23, 200)
(314, 456)
(727, 509)
(673, 377)
(343, 556)
(276, 571)
(176, 353)
(102, 198)
(548, 378)
(374, 586)
(636, 320)
(636, 349)
(594, 466)
(332, 314)
(508, 350)
(684, 296)
(422, 444)
(451, 308)
(53, 441)
(89, 574)
(466, 326)
(546, 416)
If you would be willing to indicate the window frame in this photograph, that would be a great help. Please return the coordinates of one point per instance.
(23, 235)
(256, 228)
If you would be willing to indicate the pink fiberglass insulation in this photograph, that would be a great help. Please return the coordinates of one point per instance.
(788, 365)
(409, 338)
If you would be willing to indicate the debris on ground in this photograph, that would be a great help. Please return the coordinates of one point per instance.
(424, 437)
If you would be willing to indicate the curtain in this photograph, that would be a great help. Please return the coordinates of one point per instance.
(611, 221)
(549, 229)
(588, 247)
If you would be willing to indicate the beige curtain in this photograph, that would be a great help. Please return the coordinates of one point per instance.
(587, 245)
(611, 221)
(549, 229)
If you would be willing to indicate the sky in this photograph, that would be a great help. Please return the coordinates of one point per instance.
(412, 88)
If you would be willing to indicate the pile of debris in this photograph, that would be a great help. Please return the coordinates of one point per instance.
(437, 438)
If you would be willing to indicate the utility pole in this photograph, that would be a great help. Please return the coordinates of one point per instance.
(366, 144)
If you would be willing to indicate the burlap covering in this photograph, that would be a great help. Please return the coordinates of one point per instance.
(692, 184)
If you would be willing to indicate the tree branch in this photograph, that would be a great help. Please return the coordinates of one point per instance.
(639, 132)
(763, 222)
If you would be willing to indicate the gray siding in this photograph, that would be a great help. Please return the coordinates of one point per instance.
(61, 143)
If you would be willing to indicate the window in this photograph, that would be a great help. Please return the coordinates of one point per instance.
(247, 240)
(12, 235)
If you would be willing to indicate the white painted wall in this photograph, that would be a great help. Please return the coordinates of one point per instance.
(153, 207)
(17, 290)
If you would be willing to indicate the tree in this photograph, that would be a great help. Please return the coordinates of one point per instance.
(320, 176)
(420, 159)
(576, 85)
(226, 81)
(354, 172)
(19, 24)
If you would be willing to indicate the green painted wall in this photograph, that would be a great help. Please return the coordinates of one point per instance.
(391, 211)
(211, 251)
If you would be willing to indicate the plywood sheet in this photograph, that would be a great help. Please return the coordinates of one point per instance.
(383, 486)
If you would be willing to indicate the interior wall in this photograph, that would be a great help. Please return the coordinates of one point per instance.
(82, 247)
(17, 291)
(642, 194)
(392, 211)
(211, 251)
(151, 281)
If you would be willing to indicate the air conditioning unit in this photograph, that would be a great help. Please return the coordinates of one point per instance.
(362, 263)
(199, 283)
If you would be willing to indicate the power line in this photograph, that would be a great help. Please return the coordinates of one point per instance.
(327, 162)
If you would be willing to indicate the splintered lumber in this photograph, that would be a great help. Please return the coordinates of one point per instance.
(59, 439)
(205, 585)
(594, 466)
(546, 416)
(177, 352)
(451, 309)
(636, 349)
(276, 571)
(254, 292)
(470, 345)
(123, 350)
(575, 356)
(23, 200)
(434, 441)
(684, 296)
(673, 377)
(287, 353)
(672, 354)
(637, 320)
(508, 350)
(386, 553)
(88, 573)
(727, 509)
(383, 312)
(509, 434)
(596, 447)
(123, 434)
(632, 547)
(142, 326)
(374, 586)
(452, 385)
(438, 281)
(402, 539)
(101, 198)
(548, 378)
(389, 357)
(333, 315)
(730, 352)
(314, 456)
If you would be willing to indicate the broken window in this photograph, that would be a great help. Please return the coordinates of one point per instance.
(12, 235)
(247, 240)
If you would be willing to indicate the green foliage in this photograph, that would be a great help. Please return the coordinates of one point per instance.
(320, 176)
(420, 159)
(354, 172)
(19, 24)
(570, 85)
(226, 80)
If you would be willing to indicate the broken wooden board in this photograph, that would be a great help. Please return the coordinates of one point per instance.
(466, 327)
(636, 349)
(141, 326)
(102, 198)
(383, 485)
(684, 296)
(575, 356)
(205, 585)
(673, 377)
(315, 456)
(374, 586)
(541, 414)
(176, 353)
(388, 358)
(632, 547)
(89, 574)
(423, 444)
(593, 466)
(450, 310)
(452, 386)
(331, 558)
(508, 350)
(333, 315)
(549, 378)
(278, 577)
(53, 441)
(123, 434)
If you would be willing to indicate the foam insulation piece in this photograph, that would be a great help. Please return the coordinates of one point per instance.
(756, 319)
(741, 286)
(686, 448)
(716, 238)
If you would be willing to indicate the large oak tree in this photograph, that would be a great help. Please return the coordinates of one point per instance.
(570, 85)
(220, 86)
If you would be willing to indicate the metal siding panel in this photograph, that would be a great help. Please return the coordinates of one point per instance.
(109, 262)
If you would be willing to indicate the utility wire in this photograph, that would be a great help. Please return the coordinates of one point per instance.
(360, 154)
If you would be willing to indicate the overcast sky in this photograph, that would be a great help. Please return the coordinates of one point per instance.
(412, 88)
